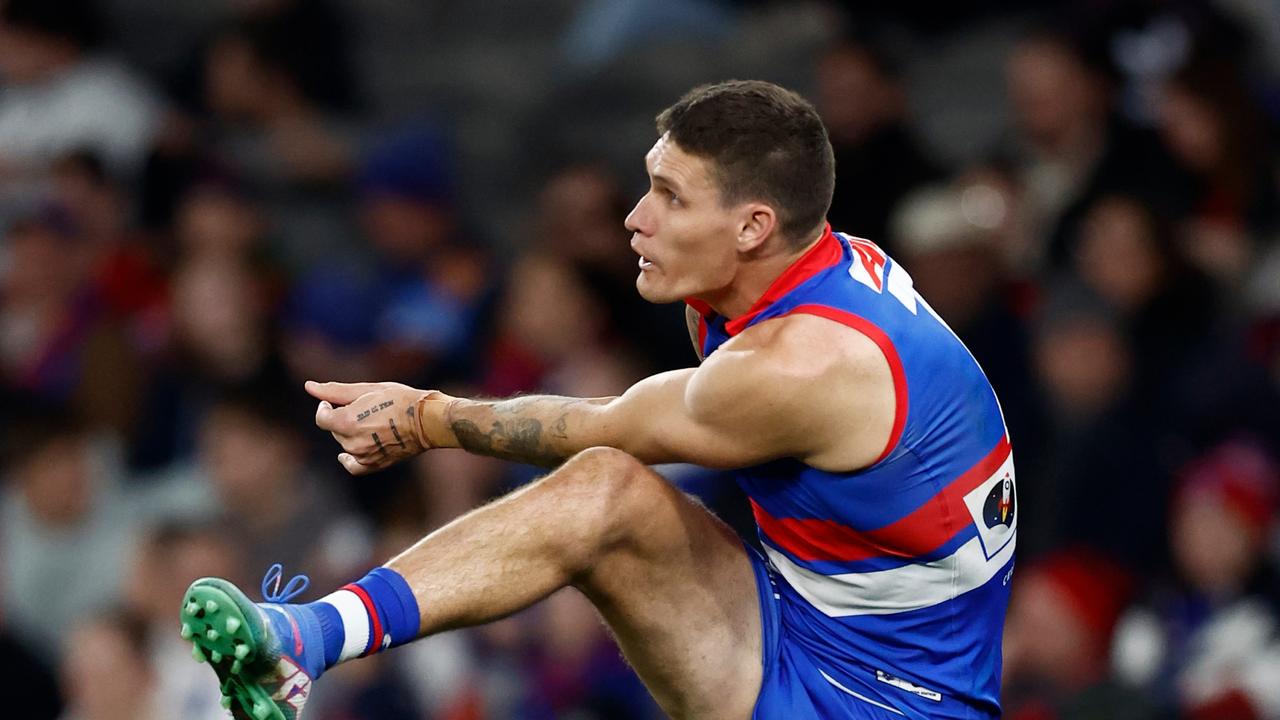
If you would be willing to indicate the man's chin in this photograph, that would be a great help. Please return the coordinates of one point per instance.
(654, 294)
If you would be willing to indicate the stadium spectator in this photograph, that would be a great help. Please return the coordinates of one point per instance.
(1058, 636)
(1099, 447)
(534, 348)
(250, 449)
(1181, 327)
(864, 106)
(1215, 129)
(57, 95)
(170, 554)
(290, 30)
(267, 131)
(125, 266)
(577, 220)
(59, 344)
(67, 525)
(1128, 257)
(287, 135)
(221, 327)
(216, 222)
(418, 313)
(1068, 147)
(1204, 643)
(107, 674)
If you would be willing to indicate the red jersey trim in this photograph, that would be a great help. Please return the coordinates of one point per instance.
(882, 341)
(703, 309)
(824, 254)
(927, 528)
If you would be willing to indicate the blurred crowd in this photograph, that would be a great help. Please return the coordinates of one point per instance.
(202, 205)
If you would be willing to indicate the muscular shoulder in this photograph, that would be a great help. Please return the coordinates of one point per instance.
(800, 350)
(813, 345)
(819, 381)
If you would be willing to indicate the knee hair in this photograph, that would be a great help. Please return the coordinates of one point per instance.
(605, 494)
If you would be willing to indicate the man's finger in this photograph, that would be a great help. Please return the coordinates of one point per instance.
(339, 393)
(354, 466)
(326, 416)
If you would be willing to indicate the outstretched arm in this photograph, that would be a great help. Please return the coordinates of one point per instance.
(652, 421)
(761, 396)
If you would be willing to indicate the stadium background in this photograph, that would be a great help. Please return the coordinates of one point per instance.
(204, 203)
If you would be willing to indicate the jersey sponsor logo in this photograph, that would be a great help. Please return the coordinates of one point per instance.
(910, 687)
(993, 505)
(999, 507)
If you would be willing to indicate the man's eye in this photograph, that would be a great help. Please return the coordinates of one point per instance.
(673, 198)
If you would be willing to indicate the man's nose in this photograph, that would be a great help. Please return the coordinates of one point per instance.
(639, 219)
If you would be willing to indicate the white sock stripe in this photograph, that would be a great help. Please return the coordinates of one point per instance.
(355, 622)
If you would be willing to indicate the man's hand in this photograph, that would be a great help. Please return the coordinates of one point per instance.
(380, 424)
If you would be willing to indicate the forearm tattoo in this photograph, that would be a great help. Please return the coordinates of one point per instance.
(512, 435)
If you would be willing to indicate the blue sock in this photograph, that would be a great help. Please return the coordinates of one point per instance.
(330, 623)
(372, 614)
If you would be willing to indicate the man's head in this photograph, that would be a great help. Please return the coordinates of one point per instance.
(1054, 91)
(741, 169)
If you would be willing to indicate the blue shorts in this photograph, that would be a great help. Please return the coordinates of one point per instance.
(794, 686)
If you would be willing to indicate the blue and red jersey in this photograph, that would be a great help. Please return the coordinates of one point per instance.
(893, 579)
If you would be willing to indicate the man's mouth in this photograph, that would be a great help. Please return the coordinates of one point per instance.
(645, 263)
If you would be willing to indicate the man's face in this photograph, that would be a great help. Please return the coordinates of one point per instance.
(685, 237)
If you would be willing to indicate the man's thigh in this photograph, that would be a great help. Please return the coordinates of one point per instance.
(679, 593)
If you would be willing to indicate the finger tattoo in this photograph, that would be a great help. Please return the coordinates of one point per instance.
(395, 431)
(375, 408)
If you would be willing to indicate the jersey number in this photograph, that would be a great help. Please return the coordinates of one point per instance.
(868, 268)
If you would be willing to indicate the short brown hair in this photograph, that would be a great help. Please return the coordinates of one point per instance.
(767, 143)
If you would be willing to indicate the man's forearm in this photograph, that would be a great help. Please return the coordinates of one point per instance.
(536, 429)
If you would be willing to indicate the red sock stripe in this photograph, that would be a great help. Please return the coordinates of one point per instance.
(375, 635)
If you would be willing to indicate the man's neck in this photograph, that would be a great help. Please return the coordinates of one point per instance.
(754, 278)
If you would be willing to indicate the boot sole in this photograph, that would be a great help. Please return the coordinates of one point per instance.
(227, 631)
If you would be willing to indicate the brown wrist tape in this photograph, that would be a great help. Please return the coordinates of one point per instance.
(441, 438)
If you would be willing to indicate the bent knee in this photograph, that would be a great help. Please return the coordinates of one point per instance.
(614, 474)
(604, 459)
(611, 491)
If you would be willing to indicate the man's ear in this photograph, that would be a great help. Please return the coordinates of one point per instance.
(759, 222)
